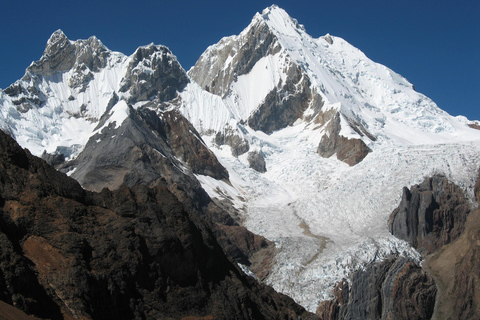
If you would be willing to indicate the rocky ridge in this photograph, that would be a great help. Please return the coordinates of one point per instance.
(396, 288)
(430, 215)
(133, 253)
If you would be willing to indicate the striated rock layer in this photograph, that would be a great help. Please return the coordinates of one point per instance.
(134, 253)
(396, 288)
(430, 214)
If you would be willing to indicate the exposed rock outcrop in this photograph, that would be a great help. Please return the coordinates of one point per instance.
(349, 150)
(230, 138)
(285, 104)
(259, 42)
(474, 126)
(257, 161)
(436, 218)
(430, 214)
(185, 142)
(127, 254)
(456, 269)
(396, 288)
(154, 72)
(163, 150)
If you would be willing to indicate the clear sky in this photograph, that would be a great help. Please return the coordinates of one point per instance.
(435, 44)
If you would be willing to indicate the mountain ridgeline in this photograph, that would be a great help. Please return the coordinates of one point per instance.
(277, 155)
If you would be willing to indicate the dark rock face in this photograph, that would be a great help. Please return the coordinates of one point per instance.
(350, 151)
(258, 43)
(54, 159)
(154, 73)
(285, 104)
(456, 269)
(139, 152)
(228, 137)
(477, 188)
(436, 219)
(161, 150)
(430, 214)
(257, 161)
(188, 146)
(145, 149)
(396, 288)
(127, 254)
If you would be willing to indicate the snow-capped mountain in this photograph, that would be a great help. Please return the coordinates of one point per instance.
(255, 123)
(290, 97)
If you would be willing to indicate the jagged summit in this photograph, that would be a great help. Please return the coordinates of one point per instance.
(61, 55)
(153, 73)
(57, 37)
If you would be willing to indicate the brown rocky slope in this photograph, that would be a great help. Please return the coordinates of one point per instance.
(134, 253)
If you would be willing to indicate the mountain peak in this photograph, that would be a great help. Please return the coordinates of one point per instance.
(274, 10)
(279, 20)
(56, 36)
(57, 41)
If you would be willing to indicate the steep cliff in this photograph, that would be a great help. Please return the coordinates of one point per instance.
(456, 270)
(430, 214)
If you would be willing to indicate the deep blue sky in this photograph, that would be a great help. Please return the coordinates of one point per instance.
(435, 44)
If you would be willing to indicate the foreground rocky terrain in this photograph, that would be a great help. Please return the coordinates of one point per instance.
(133, 253)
